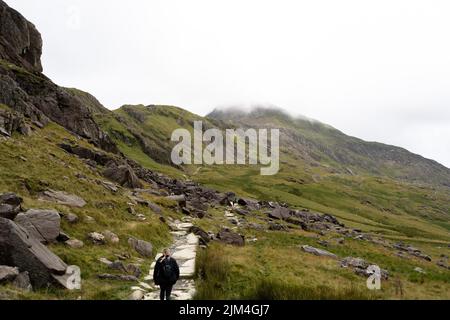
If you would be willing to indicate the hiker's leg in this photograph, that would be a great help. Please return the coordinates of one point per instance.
(168, 292)
(162, 292)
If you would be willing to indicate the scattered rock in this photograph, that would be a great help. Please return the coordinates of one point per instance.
(111, 237)
(105, 261)
(228, 199)
(230, 237)
(155, 208)
(241, 212)
(8, 274)
(411, 250)
(63, 198)
(22, 281)
(88, 154)
(277, 227)
(97, 238)
(443, 264)
(71, 218)
(123, 175)
(75, 244)
(419, 270)
(323, 243)
(89, 219)
(318, 252)
(108, 186)
(204, 236)
(354, 263)
(10, 205)
(62, 237)
(43, 225)
(134, 270)
(142, 247)
(137, 295)
(280, 213)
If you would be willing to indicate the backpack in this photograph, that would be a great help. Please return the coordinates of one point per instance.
(167, 270)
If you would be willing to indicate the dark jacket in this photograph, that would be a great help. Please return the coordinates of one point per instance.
(159, 276)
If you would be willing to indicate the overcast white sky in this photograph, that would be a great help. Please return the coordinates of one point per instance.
(378, 70)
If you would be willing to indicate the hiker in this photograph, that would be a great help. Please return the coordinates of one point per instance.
(166, 274)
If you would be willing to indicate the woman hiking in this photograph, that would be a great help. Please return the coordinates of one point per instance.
(166, 274)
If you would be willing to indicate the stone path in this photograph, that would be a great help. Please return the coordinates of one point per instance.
(184, 250)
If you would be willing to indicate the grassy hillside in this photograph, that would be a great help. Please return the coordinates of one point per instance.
(394, 209)
(32, 164)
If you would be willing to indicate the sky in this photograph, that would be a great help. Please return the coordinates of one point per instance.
(377, 70)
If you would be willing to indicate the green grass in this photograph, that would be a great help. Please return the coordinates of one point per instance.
(29, 165)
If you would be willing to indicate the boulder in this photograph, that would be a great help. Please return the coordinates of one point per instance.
(200, 233)
(137, 295)
(63, 237)
(19, 249)
(71, 218)
(10, 205)
(249, 203)
(63, 198)
(123, 175)
(142, 247)
(23, 282)
(280, 213)
(318, 252)
(43, 225)
(230, 237)
(155, 208)
(277, 227)
(97, 238)
(354, 263)
(8, 274)
(74, 243)
(111, 237)
(443, 264)
(228, 199)
(134, 270)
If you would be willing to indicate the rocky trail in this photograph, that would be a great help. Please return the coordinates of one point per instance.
(184, 250)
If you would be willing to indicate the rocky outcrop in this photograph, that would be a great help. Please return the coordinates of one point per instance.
(11, 122)
(229, 237)
(20, 42)
(100, 158)
(411, 250)
(123, 175)
(362, 268)
(10, 205)
(280, 213)
(26, 90)
(19, 249)
(43, 225)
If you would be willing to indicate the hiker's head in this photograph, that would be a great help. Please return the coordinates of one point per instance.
(166, 252)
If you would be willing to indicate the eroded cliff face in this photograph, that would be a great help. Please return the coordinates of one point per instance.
(24, 88)
(20, 42)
